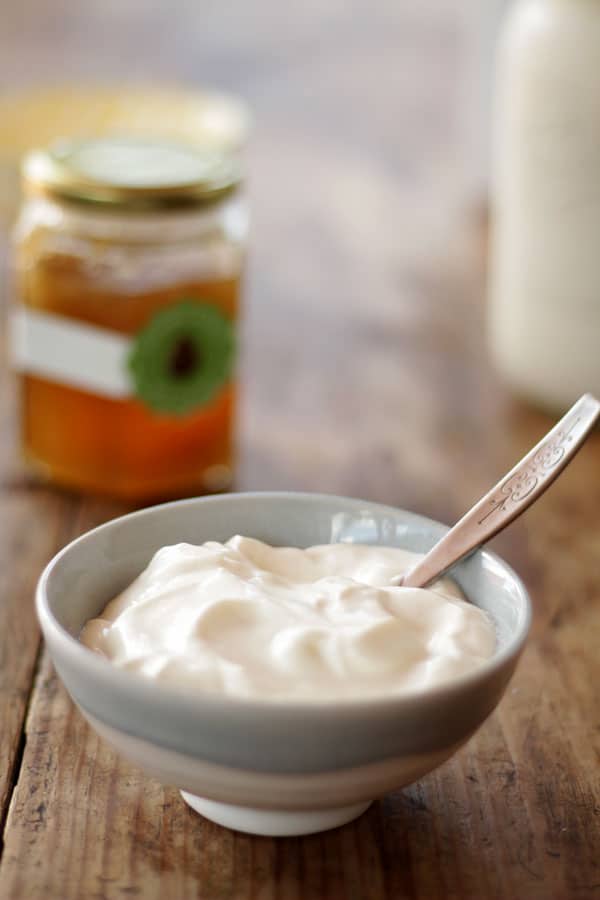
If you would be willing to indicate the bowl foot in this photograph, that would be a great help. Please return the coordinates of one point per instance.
(274, 822)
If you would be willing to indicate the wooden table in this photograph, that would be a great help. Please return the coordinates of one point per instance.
(364, 373)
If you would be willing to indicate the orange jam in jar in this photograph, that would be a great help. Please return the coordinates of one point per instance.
(128, 263)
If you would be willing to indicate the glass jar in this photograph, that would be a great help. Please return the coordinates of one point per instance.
(128, 259)
(545, 264)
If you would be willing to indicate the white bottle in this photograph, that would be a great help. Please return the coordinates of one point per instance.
(545, 252)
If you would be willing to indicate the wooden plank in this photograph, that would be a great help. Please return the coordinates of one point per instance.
(38, 525)
(37, 522)
(33, 523)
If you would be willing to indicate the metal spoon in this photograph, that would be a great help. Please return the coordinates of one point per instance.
(511, 496)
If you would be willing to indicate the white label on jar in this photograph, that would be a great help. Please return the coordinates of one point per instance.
(74, 353)
(178, 362)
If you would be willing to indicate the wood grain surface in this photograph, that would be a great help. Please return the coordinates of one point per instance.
(364, 372)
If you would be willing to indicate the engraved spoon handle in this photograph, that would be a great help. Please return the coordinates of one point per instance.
(511, 496)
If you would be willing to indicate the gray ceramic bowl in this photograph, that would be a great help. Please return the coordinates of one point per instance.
(271, 767)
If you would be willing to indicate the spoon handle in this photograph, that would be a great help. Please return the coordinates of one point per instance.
(512, 495)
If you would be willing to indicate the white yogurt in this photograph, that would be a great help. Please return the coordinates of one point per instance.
(246, 619)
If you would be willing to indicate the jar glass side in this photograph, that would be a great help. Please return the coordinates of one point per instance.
(109, 280)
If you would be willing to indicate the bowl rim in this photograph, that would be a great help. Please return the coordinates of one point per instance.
(189, 703)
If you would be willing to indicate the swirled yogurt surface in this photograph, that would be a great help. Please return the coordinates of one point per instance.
(247, 619)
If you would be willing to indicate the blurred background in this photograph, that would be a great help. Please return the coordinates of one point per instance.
(367, 174)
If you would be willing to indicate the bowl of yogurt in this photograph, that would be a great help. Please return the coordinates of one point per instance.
(253, 651)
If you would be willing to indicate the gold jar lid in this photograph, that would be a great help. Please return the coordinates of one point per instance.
(131, 173)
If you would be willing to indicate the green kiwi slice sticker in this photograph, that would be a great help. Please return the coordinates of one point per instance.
(182, 357)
